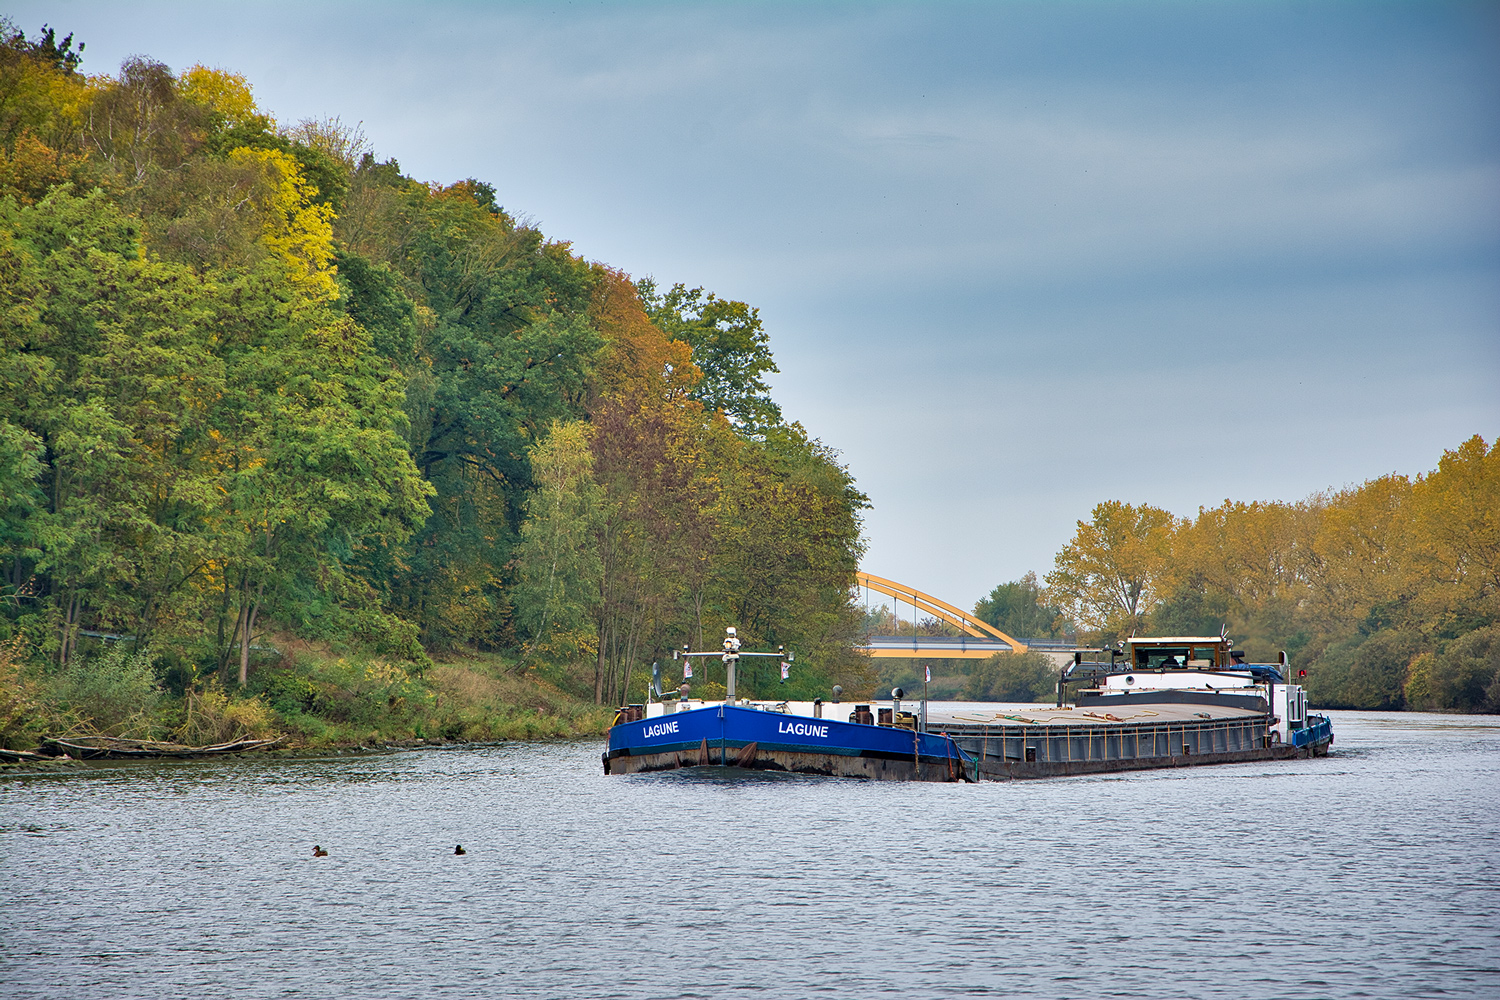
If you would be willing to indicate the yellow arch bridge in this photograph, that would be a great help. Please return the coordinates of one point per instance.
(979, 639)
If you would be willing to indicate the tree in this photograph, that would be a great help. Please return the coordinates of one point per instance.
(1464, 676)
(21, 501)
(650, 441)
(1016, 609)
(114, 374)
(1357, 551)
(1456, 535)
(314, 464)
(634, 461)
(1242, 566)
(256, 374)
(40, 86)
(345, 143)
(504, 346)
(557, 562)
(238, 212)
(294, 226)
(1379, 670)
(1253, 552)
(227, 95)
(728, 346)
(1116, 569)
(1015, 677)
(198, 436)
(788, 547)
(372, 296)
(139, 123)
(41, 93)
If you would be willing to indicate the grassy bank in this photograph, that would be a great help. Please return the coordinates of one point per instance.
(308, 695)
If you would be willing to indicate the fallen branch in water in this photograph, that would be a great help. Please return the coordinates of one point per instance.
(110, 747)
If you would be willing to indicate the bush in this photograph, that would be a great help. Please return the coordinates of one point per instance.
(1464, 677)
(481, 699)
(211, 716)
(116, 692)
(385, 633)
(365, 693)
(391, 635)
(287, 691)
(22, 720)
(708, 690)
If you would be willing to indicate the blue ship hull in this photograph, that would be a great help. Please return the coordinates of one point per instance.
(731, 736)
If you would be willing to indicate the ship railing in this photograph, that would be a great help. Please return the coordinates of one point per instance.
(1134, 741)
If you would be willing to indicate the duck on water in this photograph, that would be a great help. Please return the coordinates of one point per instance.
(1156, 702)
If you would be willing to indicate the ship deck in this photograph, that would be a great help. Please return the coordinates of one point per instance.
(940, 716)
(965, 716)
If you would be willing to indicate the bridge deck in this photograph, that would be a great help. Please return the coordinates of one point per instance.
(943, 647)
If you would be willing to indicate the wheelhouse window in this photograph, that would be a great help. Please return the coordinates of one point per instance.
(1161, 658)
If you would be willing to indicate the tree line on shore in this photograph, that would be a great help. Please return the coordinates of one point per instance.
(1386, 593)
(255, 379)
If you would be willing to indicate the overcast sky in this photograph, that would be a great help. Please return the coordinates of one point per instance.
(1014, 259)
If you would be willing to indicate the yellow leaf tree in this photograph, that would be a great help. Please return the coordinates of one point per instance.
(1116, 569)
(294, 227)
(225, 93)
(1456, 533)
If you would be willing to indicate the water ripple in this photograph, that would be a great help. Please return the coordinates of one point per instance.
(1370, 873)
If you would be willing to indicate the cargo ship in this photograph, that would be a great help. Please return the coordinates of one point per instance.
(1156, 702)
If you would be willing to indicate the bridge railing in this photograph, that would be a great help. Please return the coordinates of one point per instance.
(936, 640)
(934, 644)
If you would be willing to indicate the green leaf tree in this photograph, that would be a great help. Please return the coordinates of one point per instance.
(1017, 609)
(729, 346)
(557, 562)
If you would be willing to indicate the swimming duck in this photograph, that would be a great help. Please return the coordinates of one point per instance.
(460, 850)
(318, 851)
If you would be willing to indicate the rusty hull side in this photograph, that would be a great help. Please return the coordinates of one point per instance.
(755, 758)
(1011, 770)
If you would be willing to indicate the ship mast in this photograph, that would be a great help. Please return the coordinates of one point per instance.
(730, 654)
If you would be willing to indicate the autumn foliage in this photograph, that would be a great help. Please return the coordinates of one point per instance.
(255, 379)
(1387, 593)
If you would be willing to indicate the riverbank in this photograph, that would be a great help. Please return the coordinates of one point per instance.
(308, 697)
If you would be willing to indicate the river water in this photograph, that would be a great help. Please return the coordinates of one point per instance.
(1372, 873)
